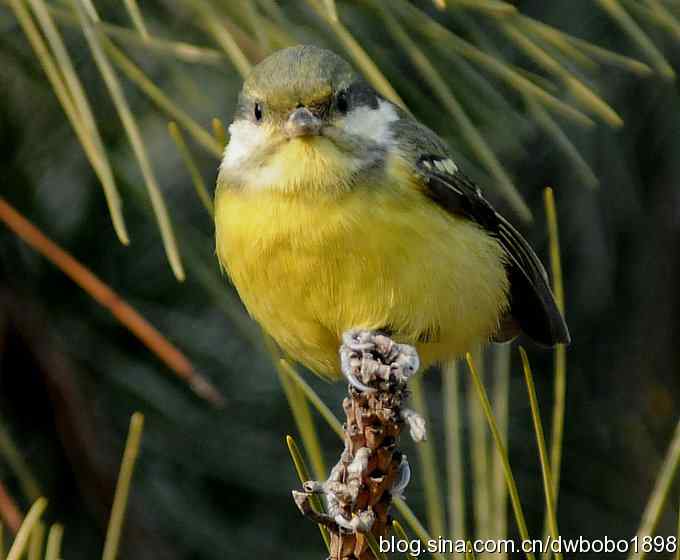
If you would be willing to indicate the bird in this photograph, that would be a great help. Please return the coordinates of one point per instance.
(335, 209)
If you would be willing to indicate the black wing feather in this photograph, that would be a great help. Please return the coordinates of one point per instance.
(532, 304)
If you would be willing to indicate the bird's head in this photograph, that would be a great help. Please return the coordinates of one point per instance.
(305, 121)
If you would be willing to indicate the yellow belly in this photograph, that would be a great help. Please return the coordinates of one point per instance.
(308, 269)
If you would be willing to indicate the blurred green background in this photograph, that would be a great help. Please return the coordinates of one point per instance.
(216, 482)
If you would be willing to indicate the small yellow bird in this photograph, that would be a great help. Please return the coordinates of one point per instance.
(337, 210)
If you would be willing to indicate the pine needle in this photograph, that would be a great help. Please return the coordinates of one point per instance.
(583, 94)
(468, 130)
(659, 495)
(120, 498)
(560, 359)
(190, 163)
(313, 398)
(542, 450)
(453, 429)
(303, 475)
(428, 464)
(36, 542)
(186, 52)
(54, 537)
(360, 57)
(21, 540)
(87, 15)
(95, 155)
(213, 23)
(219, 132)
(134, 73)
(401, 535)
(373, 545)
(637, 35)
(563, 143)
(437, 32)
(479, 457)
(414, 523)
(501, 394)
(301, 413)
(106, 297)
(137, 20)
(500, 447)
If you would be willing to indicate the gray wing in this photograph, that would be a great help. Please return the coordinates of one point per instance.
(532, 304)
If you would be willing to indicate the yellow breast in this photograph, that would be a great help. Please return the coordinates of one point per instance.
(380, 256)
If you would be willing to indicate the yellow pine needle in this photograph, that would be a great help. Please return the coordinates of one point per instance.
(257, 24)
(453, 107)
(313, 398)
(560, 360)
(87, 15)
(17, 464)
(469, 553)
(214, 24)
(479, 458)
(36, 542)
(303, 475)
(657, 499)
(82, 106)
(588, 99)
(54, 537)
(196, 178)
(134, 73)
(610, 57)
(96, 157)
(562, 141)
(414, 523)
(219, 132)
(584, 95)
(453, 429)
(542, 450)
(657, 13)
(361, 59)
(501, 393)
(559, 40)
(301, 413)
(489, 7)
(137, 20)
(373, 545)
(437, 32)
(633, 30)
(428, 464)
(120, 497)
(30, 521)
(401, 535)
(500, 447)
(332, 10)
(186, 52)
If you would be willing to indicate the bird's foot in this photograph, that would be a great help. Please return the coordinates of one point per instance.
(368, 358)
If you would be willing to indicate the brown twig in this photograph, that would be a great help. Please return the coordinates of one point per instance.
(100, 292)
(371, 470)
(9, 511)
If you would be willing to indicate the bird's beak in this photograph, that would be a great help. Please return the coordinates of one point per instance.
(302, 122)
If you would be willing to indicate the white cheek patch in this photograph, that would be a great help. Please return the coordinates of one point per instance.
(373, 124)
(245, 141)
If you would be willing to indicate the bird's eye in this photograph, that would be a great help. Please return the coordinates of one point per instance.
(341, 102)
(258, 112)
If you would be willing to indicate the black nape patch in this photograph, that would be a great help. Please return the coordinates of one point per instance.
(362, 95)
